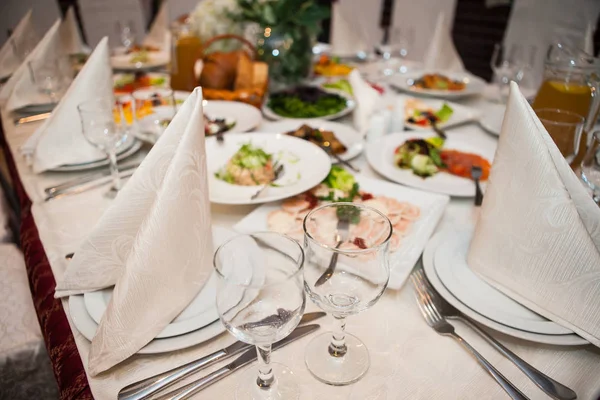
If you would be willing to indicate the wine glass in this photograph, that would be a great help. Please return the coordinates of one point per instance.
(590, 167)
(351, 241)
(103, 125)
(506, 66)
(53, 78)
(260, 299)
(126, 35)
(154, 109)
(394, 53)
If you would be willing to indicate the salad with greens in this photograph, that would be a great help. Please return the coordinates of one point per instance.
(306, 102)
(249, 166)
(339, 185)
(420, 114)
(422, 156)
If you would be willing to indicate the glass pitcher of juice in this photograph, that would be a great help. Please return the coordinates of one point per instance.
(185, 51)
(571, 83)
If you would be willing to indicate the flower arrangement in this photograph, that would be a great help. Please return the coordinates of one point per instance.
(212, 17)
(287, 31)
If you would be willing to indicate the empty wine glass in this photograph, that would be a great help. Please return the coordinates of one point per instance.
(590, 167)
(260, 299)
(506, 66)
(53, 78)
(126, 34)
(103, 125)
(346, 271)
(154, 109)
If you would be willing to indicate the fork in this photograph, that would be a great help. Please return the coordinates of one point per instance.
(278, 172)
(342, 227)
(552, 388)
(441, 326)
(476, 173)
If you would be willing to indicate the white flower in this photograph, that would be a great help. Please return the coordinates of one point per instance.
(210, 18)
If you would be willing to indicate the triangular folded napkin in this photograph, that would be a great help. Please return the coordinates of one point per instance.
(367, 100)
(538, 236)
(154, 243)
(441, 55)
(60, 139)
(22, 39)
(159, 35)
(70, 36)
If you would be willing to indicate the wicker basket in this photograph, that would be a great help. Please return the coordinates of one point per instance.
(253, 92)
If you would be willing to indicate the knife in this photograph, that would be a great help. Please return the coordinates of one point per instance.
(146, 387)
(32, 118)
(85, 179)
(85, 186)
(249, 356)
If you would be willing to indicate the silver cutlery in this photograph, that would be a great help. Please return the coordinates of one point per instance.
(149, 386)
(432, 121)
(84, 187)
(476, 173)
(342, 226)
(327, 147)
(32, 118)
(435, 320)
(552, 388)
(278, 172)
(249, 356)
(85, 179)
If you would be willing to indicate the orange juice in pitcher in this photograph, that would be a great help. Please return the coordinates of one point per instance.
(567, 96)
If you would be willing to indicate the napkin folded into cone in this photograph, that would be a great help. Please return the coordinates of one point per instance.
(70, 36)
(60, 139)
(367, 100)
(538, 236)
(441, 53)
(22, 38)
(21, 89)
(154, 243)
(159, 35)
(355, 27)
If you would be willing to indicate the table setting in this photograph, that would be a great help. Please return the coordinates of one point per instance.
(272, 233)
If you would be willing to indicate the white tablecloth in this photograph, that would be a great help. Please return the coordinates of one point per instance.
(408, 359)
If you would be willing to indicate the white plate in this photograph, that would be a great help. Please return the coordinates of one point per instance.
(246, 117)
(451, 266)
(474, 85)
(156, 59)
(491, 118)
(429, 268)
(346, 134)
(127, 152)
(461, 115)
(350, 104)
(202, 311)
(305, 166)
(380, 154)
(402, 260)
(87, 327)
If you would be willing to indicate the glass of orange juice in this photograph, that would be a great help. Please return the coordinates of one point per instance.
(565, 128)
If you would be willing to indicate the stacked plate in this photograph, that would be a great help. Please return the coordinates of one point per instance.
(445, 264)
(197, 323)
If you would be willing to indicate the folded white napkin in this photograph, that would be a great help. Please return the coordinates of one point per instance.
(355, 27)
(60, 139)
(70, 37)
(154, 244)
(441, 53)
(588, 44)
(159, 34)
(538, 235)
(23, 37)
(21, 90)
(367, 100)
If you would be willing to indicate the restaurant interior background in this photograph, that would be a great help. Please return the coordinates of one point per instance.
(476, 26)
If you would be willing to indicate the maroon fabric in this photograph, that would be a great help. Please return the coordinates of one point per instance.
(60, 343)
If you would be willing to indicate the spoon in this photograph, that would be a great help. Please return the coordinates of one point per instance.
(276, 175)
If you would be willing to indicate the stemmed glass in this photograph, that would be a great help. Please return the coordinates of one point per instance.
(103, 125)
(126, 34)
(394, 53)
(53, 78)
(590, 167)
(260, 299)
(346, 271)
(154, 109)
(506, 65)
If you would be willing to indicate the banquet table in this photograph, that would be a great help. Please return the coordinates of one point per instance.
(408, 359)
